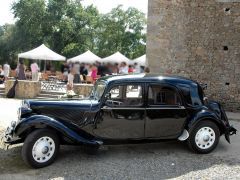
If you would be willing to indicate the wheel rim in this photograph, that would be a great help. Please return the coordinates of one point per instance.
(205, 137)
(43, 149)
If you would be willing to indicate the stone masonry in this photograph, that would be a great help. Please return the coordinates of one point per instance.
(24, 89)
(199, 39)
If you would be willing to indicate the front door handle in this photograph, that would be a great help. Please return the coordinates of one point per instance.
(106, 108)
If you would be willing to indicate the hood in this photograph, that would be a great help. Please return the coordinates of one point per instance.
(71, 110)
(62, 104)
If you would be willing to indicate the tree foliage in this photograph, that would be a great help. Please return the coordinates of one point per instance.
(70, 29)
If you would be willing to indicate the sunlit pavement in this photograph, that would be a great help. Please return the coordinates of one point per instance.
(146, 161)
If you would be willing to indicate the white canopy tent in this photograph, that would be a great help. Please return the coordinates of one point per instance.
(116, 58)
(141, 60)
(87, 57)
(42, 53)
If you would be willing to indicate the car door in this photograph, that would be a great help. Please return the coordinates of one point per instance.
(122, 114)
(165, 113)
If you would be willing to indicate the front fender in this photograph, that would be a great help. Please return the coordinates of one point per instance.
(41, 121)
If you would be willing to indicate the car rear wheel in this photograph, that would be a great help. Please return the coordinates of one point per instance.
(204, 137)
(40, 148)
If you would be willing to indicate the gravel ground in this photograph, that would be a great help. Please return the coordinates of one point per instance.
(146, 161)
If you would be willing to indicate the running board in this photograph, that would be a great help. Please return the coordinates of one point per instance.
(184, 135)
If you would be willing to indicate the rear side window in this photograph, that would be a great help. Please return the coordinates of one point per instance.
(187, 94)
(162, 95)
(191, 95)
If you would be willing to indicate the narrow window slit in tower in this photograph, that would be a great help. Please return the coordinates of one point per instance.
(225, 48)
(227, 10)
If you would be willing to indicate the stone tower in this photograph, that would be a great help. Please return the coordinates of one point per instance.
(199, 39)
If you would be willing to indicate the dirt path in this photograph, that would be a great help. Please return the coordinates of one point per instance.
(147, 161)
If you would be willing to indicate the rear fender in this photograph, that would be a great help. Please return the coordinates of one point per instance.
(41, 121)
(207, 115)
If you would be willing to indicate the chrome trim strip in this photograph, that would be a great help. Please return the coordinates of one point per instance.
(180, 107)
(122, 108)
(133, 108)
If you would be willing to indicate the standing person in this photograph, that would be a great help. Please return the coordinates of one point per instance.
(34, 69)
(76, 68)
(137, 68)
(63, 65)
(6, 69)
(1, 75)
(100, 69)
(65, 72)
(70, 80)
(142, 69)
(21, 71)
(115, 69)
(83, 71)
(94, 73)
(90, 69)
(123, 68)
(130, 69)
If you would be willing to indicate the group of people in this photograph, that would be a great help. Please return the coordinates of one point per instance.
(21, 71)
(73, 71)
(4, 72)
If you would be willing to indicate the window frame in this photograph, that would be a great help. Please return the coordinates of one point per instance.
(181, 105)
(127, 84)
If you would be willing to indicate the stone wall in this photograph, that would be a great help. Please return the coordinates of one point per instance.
(199, 39)
(24, 89)
(83, 89)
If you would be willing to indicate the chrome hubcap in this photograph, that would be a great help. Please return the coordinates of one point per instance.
(43, 149)
(205, 137)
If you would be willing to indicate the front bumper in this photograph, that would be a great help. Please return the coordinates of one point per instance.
(9, 137)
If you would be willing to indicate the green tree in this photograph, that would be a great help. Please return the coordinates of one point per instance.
(8, 47)
(70, 29)
(123, 31)
(30, 15)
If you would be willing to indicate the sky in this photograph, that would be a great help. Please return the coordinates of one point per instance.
(104, 6)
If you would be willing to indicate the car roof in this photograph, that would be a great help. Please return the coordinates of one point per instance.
(149, 78)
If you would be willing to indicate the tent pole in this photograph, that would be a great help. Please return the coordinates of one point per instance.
(45, 66)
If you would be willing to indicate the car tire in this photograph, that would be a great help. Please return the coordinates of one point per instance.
(40, 148)
(204, 137)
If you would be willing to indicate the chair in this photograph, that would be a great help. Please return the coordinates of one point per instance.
(89, 79)
(13, 73)
(60, 77)
(44, 76)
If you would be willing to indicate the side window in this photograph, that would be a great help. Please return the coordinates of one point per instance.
(125, 96)
(162, 95)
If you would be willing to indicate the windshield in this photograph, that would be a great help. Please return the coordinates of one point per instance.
(98, 90)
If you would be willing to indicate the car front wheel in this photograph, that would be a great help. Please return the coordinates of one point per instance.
(40, 148)
(204, 137)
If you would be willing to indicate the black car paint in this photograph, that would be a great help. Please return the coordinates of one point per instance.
(91, 122)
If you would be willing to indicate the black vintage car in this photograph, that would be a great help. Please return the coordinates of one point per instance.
(121, 109)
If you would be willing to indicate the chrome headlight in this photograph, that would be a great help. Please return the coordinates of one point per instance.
(25, 106)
